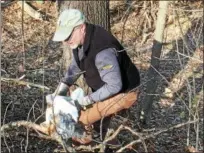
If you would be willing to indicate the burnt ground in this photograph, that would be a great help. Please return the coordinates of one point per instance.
(35, 58)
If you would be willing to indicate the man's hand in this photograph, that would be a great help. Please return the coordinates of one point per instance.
(62, 89)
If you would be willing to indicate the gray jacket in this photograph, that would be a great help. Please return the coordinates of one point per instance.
(109, 70)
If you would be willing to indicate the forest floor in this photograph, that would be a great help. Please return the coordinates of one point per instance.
(33, 57)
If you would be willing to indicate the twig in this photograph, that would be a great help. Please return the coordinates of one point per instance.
(4, 123)
(33, 13)
(101, 135)
(22, 32)
(184, 57)
(144, 37)
(197, 115)
(154, 134)
(89, 147)
(126, 14)
(200, 61)
(169, 84)
(197, 134)
(24, 83)
(137, 134)
(27, 133)
(39, 117)
(22, 144)
(4, 71)
(121, 127)
(27, 138)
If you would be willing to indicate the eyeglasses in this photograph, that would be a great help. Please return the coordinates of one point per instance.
(70, 36)
(67, 39)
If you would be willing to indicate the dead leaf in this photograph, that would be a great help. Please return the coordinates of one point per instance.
(168, 93)
(166, 102)
(191, 149)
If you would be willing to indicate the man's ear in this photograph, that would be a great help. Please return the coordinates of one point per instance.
(83, 28)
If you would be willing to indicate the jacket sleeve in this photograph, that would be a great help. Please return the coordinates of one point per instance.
(72, 74)
(109, 70)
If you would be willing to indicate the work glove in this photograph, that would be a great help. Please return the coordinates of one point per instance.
(61, 89)
(86, 101)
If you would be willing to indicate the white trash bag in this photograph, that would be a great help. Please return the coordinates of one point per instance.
(66, 112)
(78, 94)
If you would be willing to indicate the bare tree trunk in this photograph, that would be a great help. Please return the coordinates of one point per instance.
(96, 12)
(156, 52)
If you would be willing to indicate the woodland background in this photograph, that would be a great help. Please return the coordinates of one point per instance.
(32, 66)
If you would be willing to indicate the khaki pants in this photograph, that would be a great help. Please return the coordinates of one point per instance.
(104, 109)
(110, 106)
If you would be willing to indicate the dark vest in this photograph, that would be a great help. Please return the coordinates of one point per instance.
(96, 40)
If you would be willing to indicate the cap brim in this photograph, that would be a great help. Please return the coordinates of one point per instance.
(62, 34)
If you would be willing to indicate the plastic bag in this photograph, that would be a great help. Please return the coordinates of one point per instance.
(64, 109)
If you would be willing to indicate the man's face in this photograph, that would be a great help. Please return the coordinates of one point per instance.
(75, 39)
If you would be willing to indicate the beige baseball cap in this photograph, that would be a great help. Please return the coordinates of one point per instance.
(67, 21)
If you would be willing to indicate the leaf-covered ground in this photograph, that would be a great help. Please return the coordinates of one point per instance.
(28, 54)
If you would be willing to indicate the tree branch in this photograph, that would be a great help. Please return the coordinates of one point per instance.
(141, 136)
(26, 124)
(145, 136)
(27, 8)
(23, 83)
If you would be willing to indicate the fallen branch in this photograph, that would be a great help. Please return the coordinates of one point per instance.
(120, 128)
(27, 8)
(141, 136)
(88, 147)
(24, 83)
(26, 124)
(37, 128)
(147, 136)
